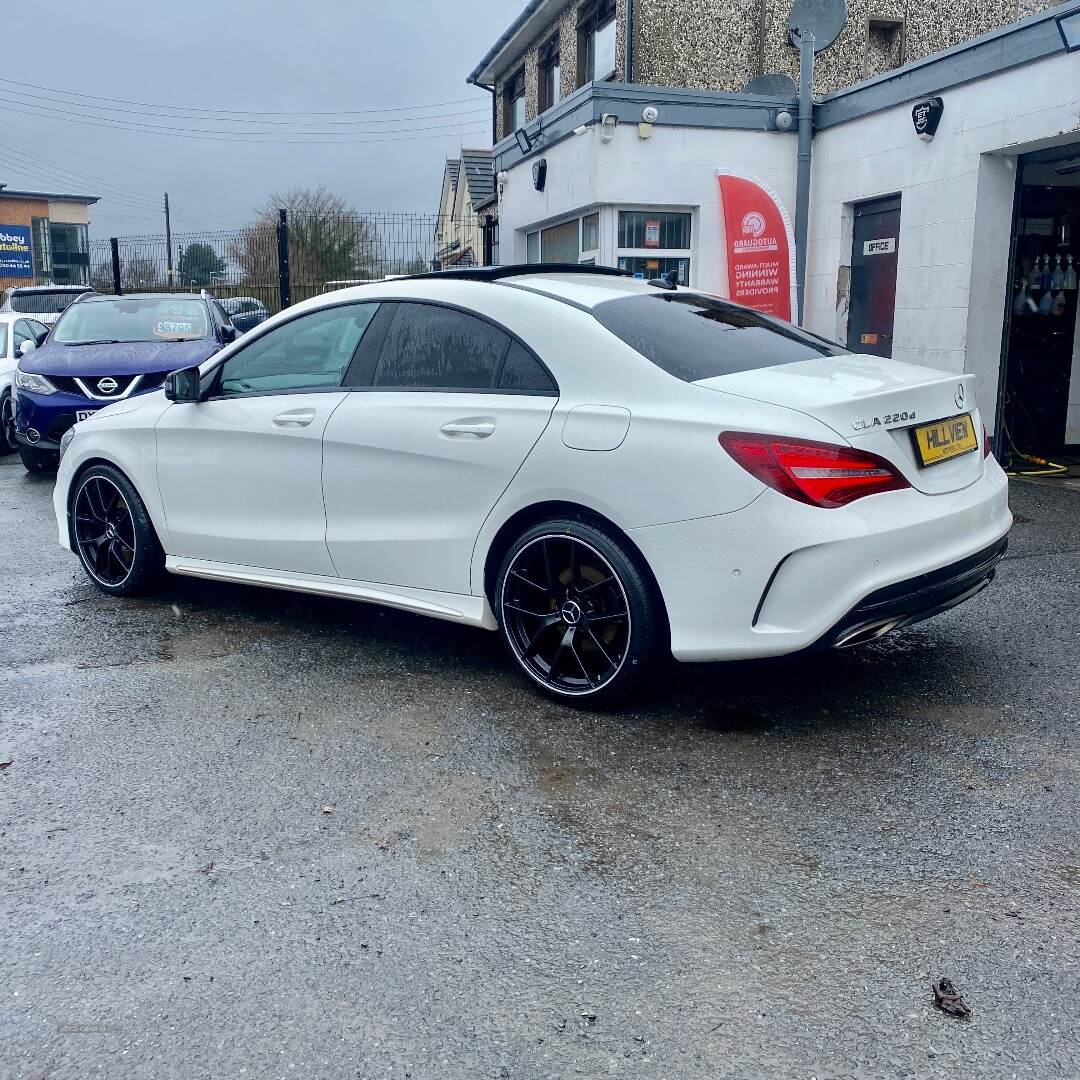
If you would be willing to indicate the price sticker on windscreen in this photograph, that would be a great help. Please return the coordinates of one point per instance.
(174, 328)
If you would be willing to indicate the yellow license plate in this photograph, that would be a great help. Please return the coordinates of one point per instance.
(946, 439)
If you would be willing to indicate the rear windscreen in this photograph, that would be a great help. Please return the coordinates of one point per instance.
(42, 303)
(697, 337)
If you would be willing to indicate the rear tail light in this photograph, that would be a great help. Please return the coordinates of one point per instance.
(817, 473)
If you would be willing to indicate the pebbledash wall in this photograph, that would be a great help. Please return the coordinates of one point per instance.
(1012, 91)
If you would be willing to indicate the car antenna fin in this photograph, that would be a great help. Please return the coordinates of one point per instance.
(669, 281)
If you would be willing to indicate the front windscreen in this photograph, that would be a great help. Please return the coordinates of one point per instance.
(134, 319)
(693, 337)
(43, 302)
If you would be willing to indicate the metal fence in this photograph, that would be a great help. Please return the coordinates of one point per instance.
(282, 262)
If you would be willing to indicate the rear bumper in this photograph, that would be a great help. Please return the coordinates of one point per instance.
(916, 599)
(778, 577)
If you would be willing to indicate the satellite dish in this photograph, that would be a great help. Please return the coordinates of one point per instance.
(772, 85)
(822, 18)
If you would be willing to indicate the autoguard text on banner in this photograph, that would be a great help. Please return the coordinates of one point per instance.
(760, 246)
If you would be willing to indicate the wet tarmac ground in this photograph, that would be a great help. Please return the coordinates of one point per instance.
(250, 834)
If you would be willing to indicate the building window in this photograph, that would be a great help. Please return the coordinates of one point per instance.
(550, 75)
(654, 242)
(590, 232)
(884, 45)
(653, 229)
(559, 243)
(596, 42)
(514, 102)
(647, 266)
(39, 231)
(70, 254)
(532, 247)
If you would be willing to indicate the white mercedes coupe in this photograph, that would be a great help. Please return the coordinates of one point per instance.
(600, 468)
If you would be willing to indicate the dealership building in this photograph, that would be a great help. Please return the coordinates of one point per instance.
(944, 202)
(43, 237)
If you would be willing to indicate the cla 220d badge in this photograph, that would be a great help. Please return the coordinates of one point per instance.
(884, 420)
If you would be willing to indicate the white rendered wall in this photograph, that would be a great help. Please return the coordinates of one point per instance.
(674, 169)
(955, 217)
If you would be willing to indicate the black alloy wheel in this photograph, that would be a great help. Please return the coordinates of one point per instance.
(104, 531)
(8, 445)
(112, 533)
(575, 612)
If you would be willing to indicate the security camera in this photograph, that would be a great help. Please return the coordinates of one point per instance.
(581, 129)
(650, 114)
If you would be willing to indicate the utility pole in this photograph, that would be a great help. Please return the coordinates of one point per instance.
(168, 244)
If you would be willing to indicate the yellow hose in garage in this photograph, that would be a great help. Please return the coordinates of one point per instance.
(1045, 467)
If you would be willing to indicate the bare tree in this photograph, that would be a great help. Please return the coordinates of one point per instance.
(328, 240)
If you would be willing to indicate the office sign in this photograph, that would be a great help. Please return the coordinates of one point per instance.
(16, 254)
(760, 245)
(885, 246)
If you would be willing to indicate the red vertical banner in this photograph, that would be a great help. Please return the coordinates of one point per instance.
(760, 245)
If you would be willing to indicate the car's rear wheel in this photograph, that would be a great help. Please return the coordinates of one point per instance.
(113, 535)
(38, 461)
(8, 445)
(577, 612)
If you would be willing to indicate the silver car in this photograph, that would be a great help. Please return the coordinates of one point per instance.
(45, 303)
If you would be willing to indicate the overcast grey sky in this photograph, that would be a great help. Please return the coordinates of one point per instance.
(201, 59)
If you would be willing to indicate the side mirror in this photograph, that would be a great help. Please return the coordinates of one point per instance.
(182, 385)
(40, 336)
(226, 334)
(29, 345)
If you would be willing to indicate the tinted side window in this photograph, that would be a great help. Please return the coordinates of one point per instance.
(311, 352)
(696, 337)
(22, 331)
(437, 347)
(522, 372)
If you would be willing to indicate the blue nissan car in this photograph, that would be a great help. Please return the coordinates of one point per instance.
(104, 349)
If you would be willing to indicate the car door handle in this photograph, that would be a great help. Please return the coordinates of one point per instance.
(478, 428)
(294, 418)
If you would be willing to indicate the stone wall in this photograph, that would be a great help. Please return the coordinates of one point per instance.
(722, 44)
(565, 25)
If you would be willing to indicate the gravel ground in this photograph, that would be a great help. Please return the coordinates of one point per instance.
(248, 834)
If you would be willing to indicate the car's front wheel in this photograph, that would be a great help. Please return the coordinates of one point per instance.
(8, 444)
(577, 612)
(113, 534)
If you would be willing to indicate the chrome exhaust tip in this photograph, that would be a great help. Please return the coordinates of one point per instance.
(860, 635)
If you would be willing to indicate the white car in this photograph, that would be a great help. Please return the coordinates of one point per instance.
(18, 334)
(600, 468)
(45, 303)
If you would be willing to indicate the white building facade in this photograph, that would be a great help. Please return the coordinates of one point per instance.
(961, 213)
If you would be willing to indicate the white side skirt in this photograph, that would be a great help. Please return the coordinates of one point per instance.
(455, 607)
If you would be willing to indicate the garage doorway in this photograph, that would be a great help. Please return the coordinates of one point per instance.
(1040, 405)
(875, 249)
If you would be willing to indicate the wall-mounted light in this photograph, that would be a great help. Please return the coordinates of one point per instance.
(521, 137)
(607, 126)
